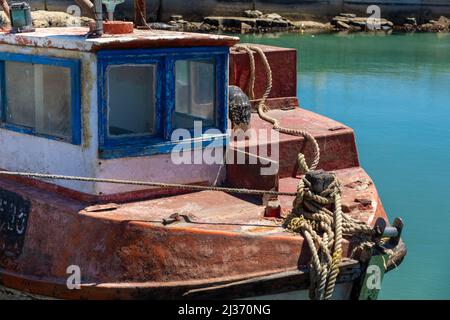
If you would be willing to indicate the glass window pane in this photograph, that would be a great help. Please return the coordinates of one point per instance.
(131, 100)
(55, 116)
(20, 93)
(39, 97)
(195, 93)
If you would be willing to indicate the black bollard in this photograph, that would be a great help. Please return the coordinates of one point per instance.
(320, 180)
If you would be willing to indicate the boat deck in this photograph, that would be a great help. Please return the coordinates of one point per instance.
(219, 211)
(219, 238)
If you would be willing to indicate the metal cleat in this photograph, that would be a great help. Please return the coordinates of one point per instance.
(392, 232)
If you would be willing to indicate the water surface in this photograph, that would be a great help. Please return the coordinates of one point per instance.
(394, 91)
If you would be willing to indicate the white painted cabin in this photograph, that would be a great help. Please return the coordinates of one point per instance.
(106, 107)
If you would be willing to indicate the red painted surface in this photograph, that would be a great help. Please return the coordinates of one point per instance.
(223, 237)
(273, 209)
(336, 142)
(117, 27)
(152, 193)
(283, 62)
(248, 174)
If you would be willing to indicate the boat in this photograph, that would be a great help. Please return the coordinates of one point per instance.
(108, 190)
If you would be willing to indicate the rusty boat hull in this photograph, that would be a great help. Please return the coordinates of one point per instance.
(219, 246)
(155, 243)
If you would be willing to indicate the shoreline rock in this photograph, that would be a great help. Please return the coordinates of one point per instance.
(47, 19)
(350, 22)
(254, 21)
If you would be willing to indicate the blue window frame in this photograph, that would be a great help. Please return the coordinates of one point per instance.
(73, 66)
(165, 61)
(106, 63)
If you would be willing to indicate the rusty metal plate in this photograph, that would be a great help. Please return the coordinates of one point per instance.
(14, 213)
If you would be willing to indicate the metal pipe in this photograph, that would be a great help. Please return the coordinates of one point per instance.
(98, 16)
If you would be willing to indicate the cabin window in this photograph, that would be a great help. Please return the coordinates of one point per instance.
(131, 100)
(39, 96)
(195, 93)
(147, 94)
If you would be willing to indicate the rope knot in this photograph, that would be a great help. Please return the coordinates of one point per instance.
(318, 217)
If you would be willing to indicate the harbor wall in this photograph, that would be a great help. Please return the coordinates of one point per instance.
(320, 10)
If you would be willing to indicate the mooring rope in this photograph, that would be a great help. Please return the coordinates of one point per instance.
(322, 228)
(162, 185)
(262, 107)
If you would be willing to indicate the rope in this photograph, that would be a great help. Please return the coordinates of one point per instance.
(262, 107)
(322, 228)
(148, 183)
(251, 81)
(141, 13)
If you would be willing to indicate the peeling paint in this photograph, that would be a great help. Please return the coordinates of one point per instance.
(74, 38)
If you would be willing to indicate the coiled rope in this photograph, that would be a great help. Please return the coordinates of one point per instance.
(162, 185)
(318, 217)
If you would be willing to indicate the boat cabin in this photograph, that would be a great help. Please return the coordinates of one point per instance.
(114, 106)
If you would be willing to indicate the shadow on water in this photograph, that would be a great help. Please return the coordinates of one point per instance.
(394, 90)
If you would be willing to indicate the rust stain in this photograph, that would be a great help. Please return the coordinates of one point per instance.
(359, 184)
(364, 203)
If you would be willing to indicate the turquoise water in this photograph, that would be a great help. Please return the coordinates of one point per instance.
(394, 91)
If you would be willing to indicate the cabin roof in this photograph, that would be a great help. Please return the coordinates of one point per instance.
(74, 38)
